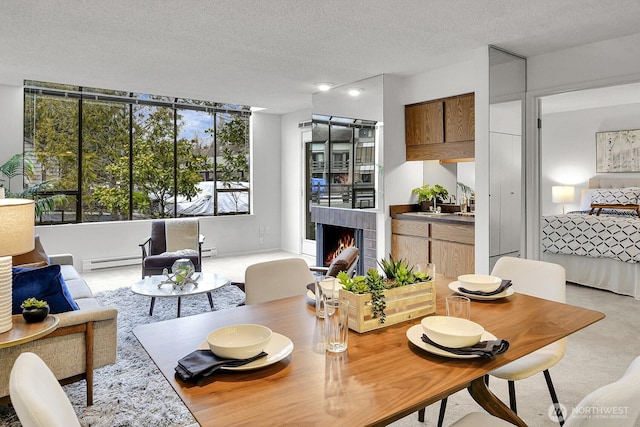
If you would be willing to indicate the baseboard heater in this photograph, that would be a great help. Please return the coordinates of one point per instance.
(123, 261)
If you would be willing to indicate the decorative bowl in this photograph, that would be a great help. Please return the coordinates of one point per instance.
(239, 341)
(35, 315)
(479, 282)
(452, 332)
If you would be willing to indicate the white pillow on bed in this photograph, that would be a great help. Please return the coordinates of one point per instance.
(616, 196)
(585, 199)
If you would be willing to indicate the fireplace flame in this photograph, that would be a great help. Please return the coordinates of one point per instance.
(344, 243)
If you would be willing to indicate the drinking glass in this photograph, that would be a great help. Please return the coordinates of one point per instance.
(458, 306)
(429, 269)
(336, 321)
(325, 288)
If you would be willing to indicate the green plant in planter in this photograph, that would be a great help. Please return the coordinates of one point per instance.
(32, 303)
(396, 273)
(465, 189)
(427, 193)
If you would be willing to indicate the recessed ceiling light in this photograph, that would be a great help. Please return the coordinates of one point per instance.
(324, 86)
(354, 91)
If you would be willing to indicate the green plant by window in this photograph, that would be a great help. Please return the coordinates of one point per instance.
(18, 165)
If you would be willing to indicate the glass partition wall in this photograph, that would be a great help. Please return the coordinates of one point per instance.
(340, 165)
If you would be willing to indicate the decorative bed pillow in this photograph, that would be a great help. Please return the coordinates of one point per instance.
(616, 196)
(585, 199)
(44, 283)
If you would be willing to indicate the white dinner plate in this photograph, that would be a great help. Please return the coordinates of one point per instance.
(415, 332)
(278, 348)
(506, 293)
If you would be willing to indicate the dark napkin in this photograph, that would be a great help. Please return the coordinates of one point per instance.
(312, 287)
(504, 285)
(488, 349)
(200, 364)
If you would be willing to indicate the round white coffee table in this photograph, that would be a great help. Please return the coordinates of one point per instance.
(206, 282)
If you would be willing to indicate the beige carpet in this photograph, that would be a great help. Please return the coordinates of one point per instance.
(595, 356)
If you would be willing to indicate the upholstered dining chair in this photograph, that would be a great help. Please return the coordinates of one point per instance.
(623, 393)
(543, 280)
(36, 395)
(539, 279)
(171, 240)
(346, 261)
(277, 279)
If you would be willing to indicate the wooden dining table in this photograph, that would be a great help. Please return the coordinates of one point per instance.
(381, 378)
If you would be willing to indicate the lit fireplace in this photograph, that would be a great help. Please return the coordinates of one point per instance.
(362, 226)
(332, 240)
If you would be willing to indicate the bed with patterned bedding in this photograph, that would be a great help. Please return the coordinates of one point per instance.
(601, 251)
(605, 236)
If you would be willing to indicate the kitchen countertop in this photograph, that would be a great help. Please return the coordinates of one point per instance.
(434, 217)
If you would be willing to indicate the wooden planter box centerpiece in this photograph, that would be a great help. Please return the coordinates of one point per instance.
(376, 301)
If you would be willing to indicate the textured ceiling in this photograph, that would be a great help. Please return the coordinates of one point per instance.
(269, 53)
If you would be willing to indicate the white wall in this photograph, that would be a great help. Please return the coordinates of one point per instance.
(11, 117)
(591, 65)
(599, 64)
(229, 234)
(292, 176)
(569, 148)
(470, 75)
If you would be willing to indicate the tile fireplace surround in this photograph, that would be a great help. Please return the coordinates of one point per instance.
(358, 219)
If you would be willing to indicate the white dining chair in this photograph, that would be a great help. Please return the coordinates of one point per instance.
(36, 395)
(612, 405)
(539, 279)
(271, 280)
(543, 280)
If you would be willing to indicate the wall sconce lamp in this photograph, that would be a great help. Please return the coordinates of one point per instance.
(562, 194)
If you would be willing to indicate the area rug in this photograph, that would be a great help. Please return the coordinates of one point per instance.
(133, 392)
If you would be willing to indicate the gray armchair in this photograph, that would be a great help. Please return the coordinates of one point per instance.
(159, 252)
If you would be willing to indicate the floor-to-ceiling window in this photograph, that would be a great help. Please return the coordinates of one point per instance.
(117, 155)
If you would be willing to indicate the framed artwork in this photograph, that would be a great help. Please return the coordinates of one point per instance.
(618, 151)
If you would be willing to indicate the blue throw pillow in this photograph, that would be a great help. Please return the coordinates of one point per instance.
(44, 283)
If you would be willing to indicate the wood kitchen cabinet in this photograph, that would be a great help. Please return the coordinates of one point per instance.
(424, 123)
(459, 119)
(449, 246)
(441, 129)
(452, 249)
(410, 241)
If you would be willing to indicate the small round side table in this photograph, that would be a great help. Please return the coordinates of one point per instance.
(23, 332)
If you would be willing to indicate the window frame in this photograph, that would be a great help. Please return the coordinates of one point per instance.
(131, 99)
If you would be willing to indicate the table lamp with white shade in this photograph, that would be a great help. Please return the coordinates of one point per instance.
(17, 228)
(563, 194)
